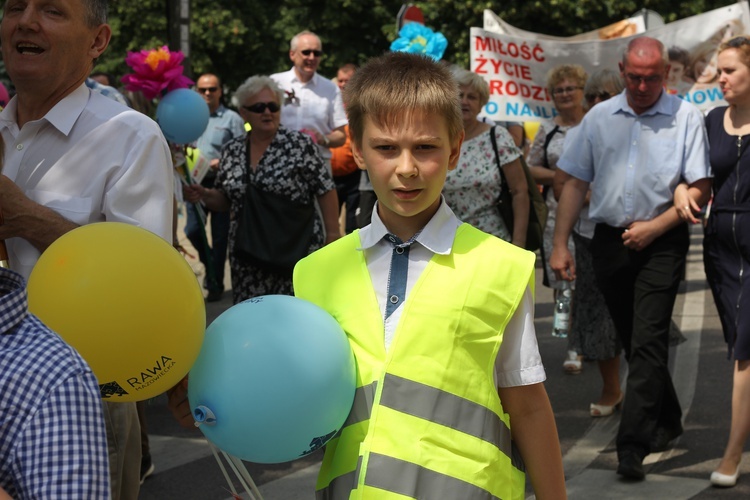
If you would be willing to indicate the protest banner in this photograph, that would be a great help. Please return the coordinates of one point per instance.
(515, 67)
(626, 27)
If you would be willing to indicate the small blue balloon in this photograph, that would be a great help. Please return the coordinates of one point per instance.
(182, 115)
(274, 380)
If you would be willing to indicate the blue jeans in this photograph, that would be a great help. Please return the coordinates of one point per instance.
(219, 222)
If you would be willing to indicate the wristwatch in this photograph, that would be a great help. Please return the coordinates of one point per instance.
(326, 140)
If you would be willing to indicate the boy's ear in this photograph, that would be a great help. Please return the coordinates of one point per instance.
(455, 152)
(358, 157)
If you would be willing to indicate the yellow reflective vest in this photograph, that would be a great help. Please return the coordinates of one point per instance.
(427, 421)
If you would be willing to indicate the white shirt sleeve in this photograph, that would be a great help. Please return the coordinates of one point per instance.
(519, 362)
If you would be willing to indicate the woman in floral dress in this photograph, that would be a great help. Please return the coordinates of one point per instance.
(280, 161)
(473, 188)
(565, 84)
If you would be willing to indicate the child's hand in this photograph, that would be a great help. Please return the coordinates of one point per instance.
(178, 404)
(193, 193)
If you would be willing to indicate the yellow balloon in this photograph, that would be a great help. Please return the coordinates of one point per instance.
(127, 301)
(531, 129)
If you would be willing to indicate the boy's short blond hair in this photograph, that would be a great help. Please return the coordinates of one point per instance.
(389, 88)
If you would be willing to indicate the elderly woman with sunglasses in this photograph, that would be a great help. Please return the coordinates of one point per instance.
(277, 160)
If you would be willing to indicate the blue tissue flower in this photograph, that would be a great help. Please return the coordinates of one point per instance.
(416, 38)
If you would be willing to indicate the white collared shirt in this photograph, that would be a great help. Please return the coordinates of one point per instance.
(518, 362)
(317, 105)
(90, 159)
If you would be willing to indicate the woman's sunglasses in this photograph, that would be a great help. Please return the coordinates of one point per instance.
(260, 107)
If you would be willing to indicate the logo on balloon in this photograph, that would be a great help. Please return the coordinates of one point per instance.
(111, 283)
(318, 442)
(151, 375)
(111, 389)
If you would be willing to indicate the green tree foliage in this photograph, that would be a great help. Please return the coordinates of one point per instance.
(239, 38)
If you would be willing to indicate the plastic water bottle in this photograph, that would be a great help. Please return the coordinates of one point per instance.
(561, 321)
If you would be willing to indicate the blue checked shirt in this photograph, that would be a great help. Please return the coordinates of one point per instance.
(53, 443)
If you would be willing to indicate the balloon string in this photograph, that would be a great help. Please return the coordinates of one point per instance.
(246, 474)
(240, 477)
(223, 469)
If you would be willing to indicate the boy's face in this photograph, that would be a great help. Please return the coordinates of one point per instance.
(407, 165)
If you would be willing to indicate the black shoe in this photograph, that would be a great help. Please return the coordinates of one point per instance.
(147, 468)
(214, 295)
(631, 466)
(662, 437)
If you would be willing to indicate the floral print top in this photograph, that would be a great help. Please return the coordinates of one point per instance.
(472, 189)
(291, 166)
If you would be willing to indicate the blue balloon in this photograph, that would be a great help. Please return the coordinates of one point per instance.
(182, 115)
(274, 380)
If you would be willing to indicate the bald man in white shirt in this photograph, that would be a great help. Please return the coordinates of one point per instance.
(313, 103)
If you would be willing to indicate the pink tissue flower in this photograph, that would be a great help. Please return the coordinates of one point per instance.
(155, 72)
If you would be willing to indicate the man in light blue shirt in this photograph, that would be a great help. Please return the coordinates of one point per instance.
(223, 125)
(636, 148)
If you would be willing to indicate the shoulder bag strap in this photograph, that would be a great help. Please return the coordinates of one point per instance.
(493, 140)
(547, 140)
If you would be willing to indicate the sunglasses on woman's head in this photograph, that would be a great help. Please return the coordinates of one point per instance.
(738, 41)
(603, 96)
(260, 107)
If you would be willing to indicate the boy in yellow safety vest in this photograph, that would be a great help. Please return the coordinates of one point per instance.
(450, 401)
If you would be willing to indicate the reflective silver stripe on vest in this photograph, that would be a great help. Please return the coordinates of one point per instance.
(362, 406)
(447, 409)
(340, 487)
(415, 481)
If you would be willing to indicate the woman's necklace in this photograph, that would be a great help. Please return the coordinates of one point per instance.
(473, 130)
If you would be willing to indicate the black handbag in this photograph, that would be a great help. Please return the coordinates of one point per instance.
(273, 232)
(537, 207)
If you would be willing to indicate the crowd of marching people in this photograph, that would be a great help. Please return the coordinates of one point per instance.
(370, 195)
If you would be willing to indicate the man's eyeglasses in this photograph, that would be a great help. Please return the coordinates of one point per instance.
(307, 52)
(211, 90)
(648, 80)
(260, 107)
(565, 90)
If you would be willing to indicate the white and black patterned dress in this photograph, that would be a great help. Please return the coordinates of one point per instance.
(292, 167)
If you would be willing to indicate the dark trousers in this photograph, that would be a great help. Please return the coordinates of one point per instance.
(347, 189)
(640, 290)
(219, 222)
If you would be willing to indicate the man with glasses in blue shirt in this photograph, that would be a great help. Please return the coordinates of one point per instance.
(223, 126)
(313, 103)
(635, 148)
